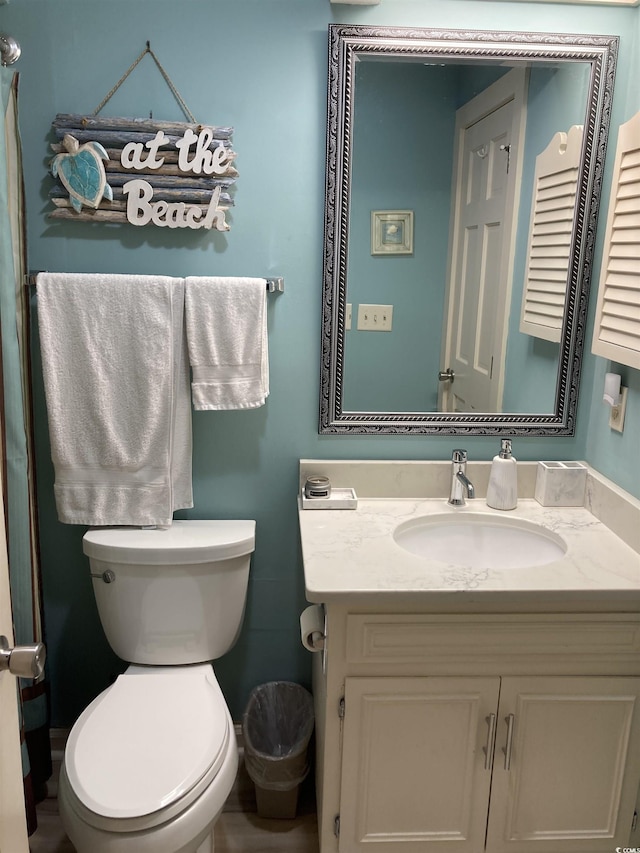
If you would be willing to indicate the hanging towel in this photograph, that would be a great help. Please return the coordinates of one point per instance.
(116, 382)
(226, 322)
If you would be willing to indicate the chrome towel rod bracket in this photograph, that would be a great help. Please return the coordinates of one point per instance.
(275, 285)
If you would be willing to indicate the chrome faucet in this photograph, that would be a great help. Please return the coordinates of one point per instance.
(459, 480)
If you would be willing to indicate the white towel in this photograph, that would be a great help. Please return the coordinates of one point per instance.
(226, 322)
(117, 390)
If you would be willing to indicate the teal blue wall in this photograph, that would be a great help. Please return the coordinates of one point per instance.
(556, 101)
(617, 456)
(395, 170)
(260, 66)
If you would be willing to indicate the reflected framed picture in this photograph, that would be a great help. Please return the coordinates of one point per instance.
(391, 232)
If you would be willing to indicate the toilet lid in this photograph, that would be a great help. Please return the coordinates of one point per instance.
(147, 740)
(185, 541)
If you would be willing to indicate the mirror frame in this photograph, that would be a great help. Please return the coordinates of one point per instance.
(346, 42)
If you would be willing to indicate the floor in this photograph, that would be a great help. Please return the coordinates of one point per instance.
(239, 829)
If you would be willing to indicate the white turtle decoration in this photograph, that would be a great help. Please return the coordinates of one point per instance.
(81, 171)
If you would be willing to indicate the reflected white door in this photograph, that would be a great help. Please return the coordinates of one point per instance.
(13, 824)
(489, 136)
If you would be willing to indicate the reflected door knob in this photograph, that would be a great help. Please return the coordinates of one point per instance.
(23, 661)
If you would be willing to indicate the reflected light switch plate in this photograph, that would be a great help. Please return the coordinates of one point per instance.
(375, 318)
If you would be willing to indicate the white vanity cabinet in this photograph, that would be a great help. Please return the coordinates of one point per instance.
(413, 772)
(477, 732)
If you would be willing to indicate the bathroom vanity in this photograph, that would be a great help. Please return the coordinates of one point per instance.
(466, 708)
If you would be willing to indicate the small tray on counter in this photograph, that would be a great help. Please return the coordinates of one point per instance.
(338, 499)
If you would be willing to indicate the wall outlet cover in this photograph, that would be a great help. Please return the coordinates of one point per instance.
(616, 418)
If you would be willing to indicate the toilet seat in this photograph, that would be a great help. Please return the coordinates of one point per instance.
(158, 735)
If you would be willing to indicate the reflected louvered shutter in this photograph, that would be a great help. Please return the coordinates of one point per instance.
(616, 334)
(550, 229)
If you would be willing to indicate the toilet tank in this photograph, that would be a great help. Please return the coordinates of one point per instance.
(174, 595)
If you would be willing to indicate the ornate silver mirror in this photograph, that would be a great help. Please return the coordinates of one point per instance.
(463, 180)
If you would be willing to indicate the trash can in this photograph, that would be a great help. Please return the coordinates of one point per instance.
(277, 726)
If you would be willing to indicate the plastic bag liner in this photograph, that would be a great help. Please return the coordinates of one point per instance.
(277, 726)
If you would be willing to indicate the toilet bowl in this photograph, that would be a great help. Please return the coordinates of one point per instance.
(151, 761)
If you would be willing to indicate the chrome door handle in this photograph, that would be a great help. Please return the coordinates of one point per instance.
(23, 661)
(509, 720)
(491, 741)
(446, 375)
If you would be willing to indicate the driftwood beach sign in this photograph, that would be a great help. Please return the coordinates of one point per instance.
(141, 171)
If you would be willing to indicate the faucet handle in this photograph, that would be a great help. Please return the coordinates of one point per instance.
(459, 456)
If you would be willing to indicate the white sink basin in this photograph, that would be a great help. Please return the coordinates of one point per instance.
(475, 540)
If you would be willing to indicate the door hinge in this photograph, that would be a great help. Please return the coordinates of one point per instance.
(634, 822)
(336, 826)
(341, 708)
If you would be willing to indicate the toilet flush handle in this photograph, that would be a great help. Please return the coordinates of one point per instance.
(107, 576)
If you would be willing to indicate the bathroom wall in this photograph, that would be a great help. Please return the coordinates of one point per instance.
(402, 159)
(260, 66)
(617, 456)
(556, 101)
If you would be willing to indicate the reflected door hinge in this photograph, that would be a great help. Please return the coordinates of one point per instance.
(341, 708)
(634, 822)
(336, 826)
(507, 148)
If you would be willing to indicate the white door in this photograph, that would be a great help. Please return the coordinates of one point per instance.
(416, 764)
(567, 765)
(487, 170)
(13, 824)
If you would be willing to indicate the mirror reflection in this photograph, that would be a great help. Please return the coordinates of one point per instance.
(454, 271)
(460, 153)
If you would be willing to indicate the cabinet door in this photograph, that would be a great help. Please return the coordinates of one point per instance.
(568, 781)
(416, 764)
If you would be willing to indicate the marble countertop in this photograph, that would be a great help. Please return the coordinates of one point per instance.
(350, 556)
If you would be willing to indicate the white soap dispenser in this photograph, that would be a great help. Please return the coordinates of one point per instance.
(502, 492)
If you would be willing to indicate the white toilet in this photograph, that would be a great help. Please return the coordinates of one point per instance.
(151, 761)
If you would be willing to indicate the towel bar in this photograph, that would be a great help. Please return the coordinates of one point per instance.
(275, 284)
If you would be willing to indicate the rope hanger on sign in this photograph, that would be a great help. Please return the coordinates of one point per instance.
(185, 109)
